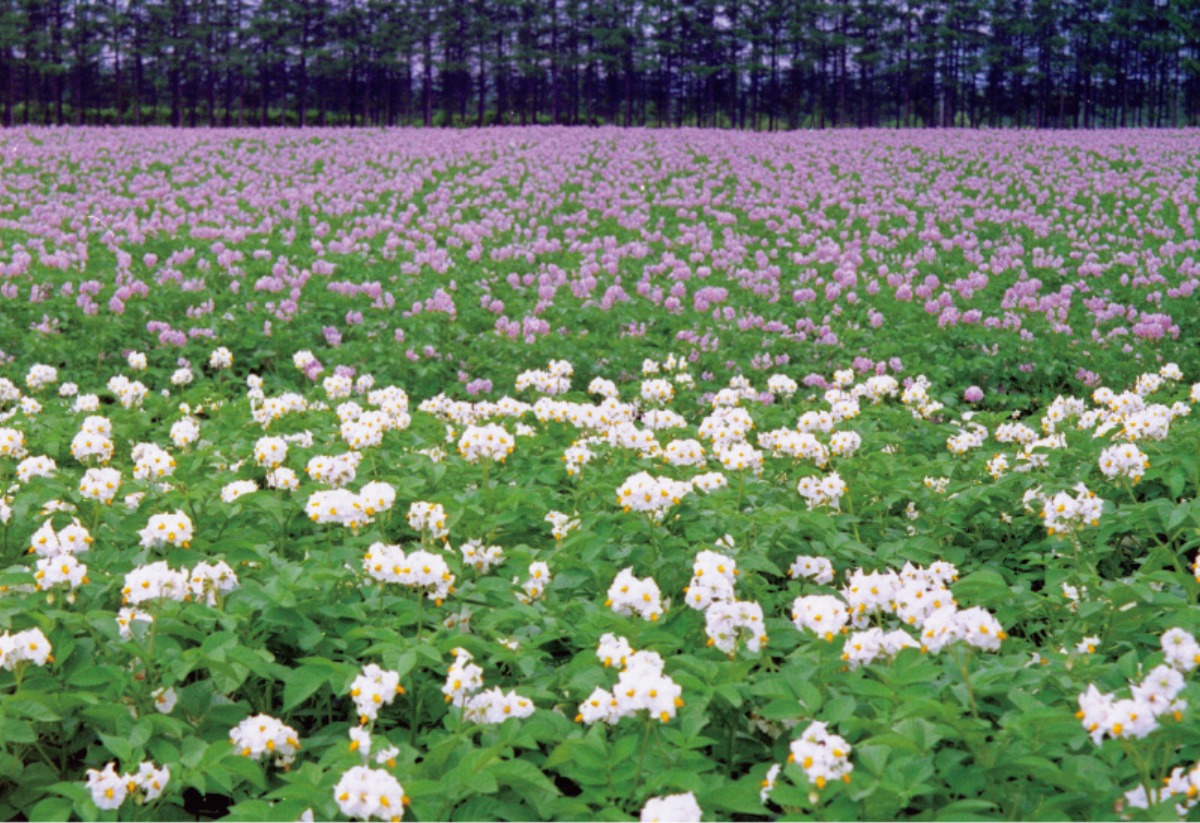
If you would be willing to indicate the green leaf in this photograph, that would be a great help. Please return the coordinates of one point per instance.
(982, 588)
(528, 781)
(52, 809)
(302, 683)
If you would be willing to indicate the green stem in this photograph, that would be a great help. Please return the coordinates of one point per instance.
(963, 666)
(416, 714)
(487, 486)
(850, 511)
(729, 741)
(1132, 753)
(637, 778)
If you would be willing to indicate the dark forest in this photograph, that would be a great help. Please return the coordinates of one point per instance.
(747, 64)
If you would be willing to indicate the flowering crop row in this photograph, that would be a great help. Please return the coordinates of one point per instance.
(489, 509)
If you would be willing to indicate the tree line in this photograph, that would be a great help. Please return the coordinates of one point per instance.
(754, 64)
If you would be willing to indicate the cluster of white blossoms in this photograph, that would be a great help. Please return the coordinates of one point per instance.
(185, 432)
(376, 497)
(261, 735)
(562, 524)
(794, 444)
(464, 689)
(40, 376)
(374, 688)
(428, 518)
(812, 422)
(363, 429)
(490, 442)
(579, 454)
(652, 496)
(781, 385)
(337, 386)
(100, 485)
(613, 650)
(340, 506)
(363, 793)
(61, 570)
(937, 485)
(347, 508)
(975, 626)
(726, 425)
(825, 615)
(480, 557)
(174, 529)
(205, 582)
(916, 596)
(1150, 423)
(131, 393)
(236, 490)
(152, 462)
(878, 388)
(1064, 514)
(70, 539)
(845, 444)
(684, 453)
(270, 452)
(1156, 696)
(423, 571)
(971, 437)
(554, 380)
(271, 409)
(739, 457)
(534, 586)
(672, 808)
(220, 358)
(110, 789)
(334, 470)
(629, 595)
(12, 443)
(1014, 433)
(29, 646)
(1181, 786)
(997, 467)
(36, 466)
(865, 646)
(713, 578)
(822, 491)
(817, 569)
(710, 482)
(727, 620)
(823, 756)
(657, 390)
(1124, 460)
(283, 479)
(362, 742)
(603, 387)
(93, 441)
(463, 679)
(916, 398)
(641, 686)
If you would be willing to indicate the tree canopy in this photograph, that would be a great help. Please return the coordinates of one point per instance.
(761, 64)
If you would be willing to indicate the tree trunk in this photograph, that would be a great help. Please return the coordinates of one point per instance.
(427, 69)
(554, 62)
